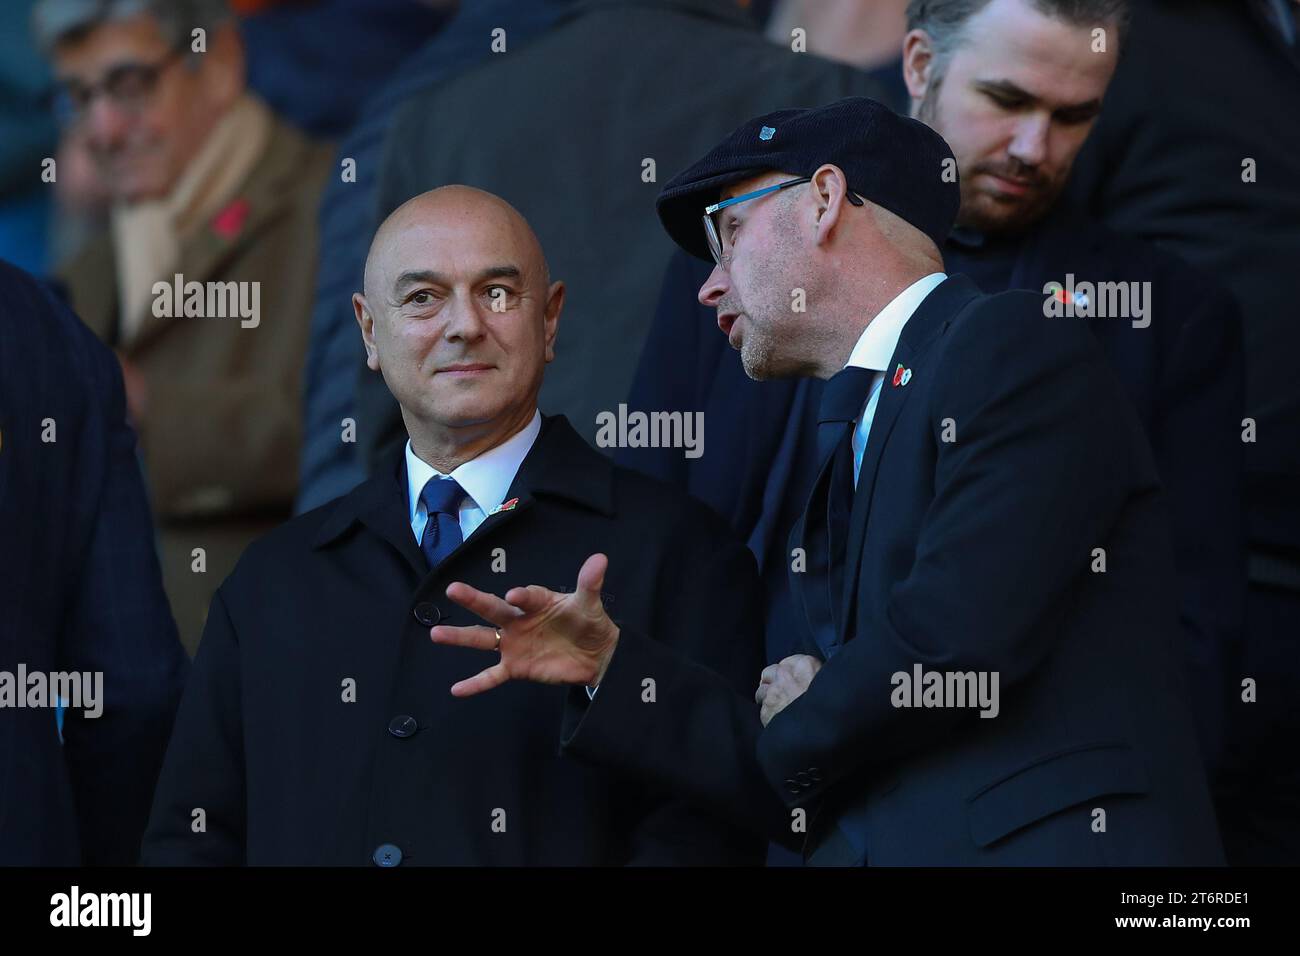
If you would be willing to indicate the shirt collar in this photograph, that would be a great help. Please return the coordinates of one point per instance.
(486, 479)
(878, 340)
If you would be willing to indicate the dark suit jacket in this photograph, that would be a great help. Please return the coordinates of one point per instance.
(975, 555)
(79, 591)
(1183, 374)
(288, 772)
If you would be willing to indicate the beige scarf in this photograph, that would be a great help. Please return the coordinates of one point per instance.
(147, 236)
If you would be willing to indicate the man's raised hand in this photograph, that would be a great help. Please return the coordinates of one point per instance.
(546, 637)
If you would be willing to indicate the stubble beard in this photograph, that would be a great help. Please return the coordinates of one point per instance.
(757, 355)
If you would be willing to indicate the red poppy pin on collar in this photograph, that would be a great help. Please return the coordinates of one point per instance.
(506, 506)
(902, 376)
(230, 220)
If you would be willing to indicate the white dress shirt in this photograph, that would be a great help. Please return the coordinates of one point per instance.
(485, 479)
(876, 346)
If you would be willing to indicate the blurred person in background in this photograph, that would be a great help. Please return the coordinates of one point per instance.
(82, 198)
(866, 35)
(294, 48)
(210, 192)
(1195, 152)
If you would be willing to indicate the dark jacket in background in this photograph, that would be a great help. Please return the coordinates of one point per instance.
(1183, 374)
(1205, 86)
(79, 591)
(616, 83)
(348, 220)
(295, 50)
(288, 772)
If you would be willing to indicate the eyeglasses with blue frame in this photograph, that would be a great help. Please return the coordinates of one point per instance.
(714, 232)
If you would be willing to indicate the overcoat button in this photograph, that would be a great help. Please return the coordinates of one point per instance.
(427, 613)
(403, 725)
(386, 855)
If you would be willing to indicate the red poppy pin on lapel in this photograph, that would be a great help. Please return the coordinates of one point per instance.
(902, 376)
(506, 506)
(230, 220)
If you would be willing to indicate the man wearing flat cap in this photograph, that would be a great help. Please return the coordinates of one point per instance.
(982, 566)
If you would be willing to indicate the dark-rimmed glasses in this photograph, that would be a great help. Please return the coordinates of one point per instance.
(128, 85)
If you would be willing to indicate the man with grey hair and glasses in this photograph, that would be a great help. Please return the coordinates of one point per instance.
(203, 281)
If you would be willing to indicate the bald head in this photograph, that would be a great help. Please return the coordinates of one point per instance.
(451, 211)
(459, 315)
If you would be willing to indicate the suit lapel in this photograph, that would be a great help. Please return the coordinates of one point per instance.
(927, 323)
(891, 401)
(811, 584)
(386, 513)
(774, 491)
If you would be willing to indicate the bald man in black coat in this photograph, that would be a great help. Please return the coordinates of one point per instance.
(319, 727)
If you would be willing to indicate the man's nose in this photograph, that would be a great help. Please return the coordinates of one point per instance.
(106, 123)
(464, 322)
(715, 287)
(1029, 145)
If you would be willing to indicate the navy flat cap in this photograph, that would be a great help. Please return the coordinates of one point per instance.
(891, 160)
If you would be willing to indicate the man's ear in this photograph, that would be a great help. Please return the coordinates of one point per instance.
(367, 323)
(551, 320)
(918, 63)
(831, 193)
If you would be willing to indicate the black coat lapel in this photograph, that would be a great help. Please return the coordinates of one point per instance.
(810, 585)
(380, 505)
